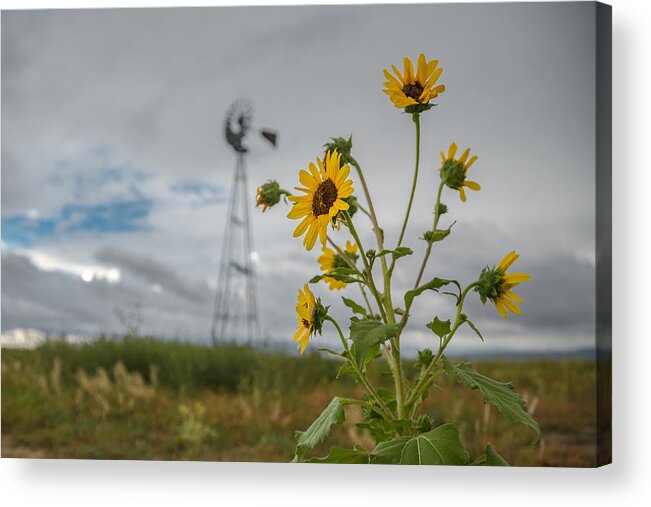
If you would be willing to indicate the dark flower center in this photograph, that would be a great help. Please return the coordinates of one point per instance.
(413, 91)
(306, 324)
(324, 198)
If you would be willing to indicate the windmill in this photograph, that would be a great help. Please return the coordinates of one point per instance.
(235, 315)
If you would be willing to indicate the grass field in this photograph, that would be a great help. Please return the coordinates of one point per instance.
(147, 399)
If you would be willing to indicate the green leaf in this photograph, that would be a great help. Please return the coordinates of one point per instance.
(341, 274)
(437, 235)
(499, 394)
(401, 251)
(366, 336)
(440, 446)
(439, 327)
(320, 428)
(474, 328)
(434, 284)
(354, 456)
(490, 458)
(356, 308)
(331, 352)
(346, 369)
(493, 459)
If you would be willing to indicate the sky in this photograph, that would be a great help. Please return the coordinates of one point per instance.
(116, 175)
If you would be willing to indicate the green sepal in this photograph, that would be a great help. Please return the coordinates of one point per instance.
(418, 108)
(500, 394)
(441, 446)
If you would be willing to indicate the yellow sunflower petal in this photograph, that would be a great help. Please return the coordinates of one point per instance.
(343, 174)
(433, 78)
(392, 79)
(398, 74)
(307, 180)
(501, 309)
(470, 162)
(452, 150)
(462, 194)
(515, 278)
(298, 211)
(513, 296)
(510, 305)
(409, 71)
(315, 172)
(421, 69)
(472, 185)
(311, 235)
(508, 260)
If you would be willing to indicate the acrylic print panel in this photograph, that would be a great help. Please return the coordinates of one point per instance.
(346, 234)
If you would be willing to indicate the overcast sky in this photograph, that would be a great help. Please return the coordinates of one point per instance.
(115, 175)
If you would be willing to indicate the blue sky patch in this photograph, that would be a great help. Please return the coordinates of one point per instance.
(23, 230)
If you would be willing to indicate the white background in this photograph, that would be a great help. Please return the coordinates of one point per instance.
(626, 482)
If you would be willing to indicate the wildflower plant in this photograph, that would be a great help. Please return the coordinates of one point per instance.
(325, 201)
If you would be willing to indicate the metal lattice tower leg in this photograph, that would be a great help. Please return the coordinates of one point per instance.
(235, 316)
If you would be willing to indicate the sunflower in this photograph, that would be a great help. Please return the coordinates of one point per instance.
(325, 189)
(495, 284)
(414, 90)
(305, 310)
(453, 170)
(330, 260)
(268, 195)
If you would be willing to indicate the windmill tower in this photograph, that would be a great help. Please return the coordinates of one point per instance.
(235, 316)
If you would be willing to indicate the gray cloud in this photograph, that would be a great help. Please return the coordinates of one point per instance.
(143, 91)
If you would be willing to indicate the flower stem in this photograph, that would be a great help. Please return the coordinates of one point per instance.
(388, 317)
(429, 245)
(416, 118)
(367, 267)
(379, 237)
(362, 378)
(426, 378)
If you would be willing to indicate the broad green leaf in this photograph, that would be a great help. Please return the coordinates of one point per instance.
(355, 456)
(499, 394)
(434, 284)
(320, 428)
(441, 446)
(356, 308)
(366, 336)
(439, 327)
